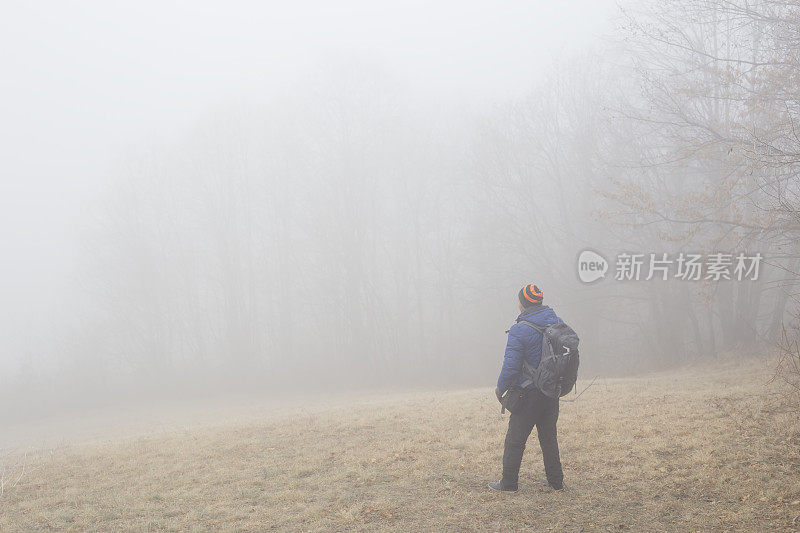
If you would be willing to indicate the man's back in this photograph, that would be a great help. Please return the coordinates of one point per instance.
(524, 344)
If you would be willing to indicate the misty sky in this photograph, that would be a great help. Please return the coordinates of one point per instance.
(83, 83)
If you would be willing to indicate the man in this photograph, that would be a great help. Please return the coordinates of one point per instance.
(535, 409)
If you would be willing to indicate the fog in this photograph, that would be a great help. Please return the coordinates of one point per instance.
(204, 197)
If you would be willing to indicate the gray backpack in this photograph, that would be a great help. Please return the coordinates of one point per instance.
(558, 368)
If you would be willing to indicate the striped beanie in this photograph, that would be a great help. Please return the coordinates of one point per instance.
(530, 295)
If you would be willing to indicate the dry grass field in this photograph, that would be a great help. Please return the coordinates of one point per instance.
(696, 449)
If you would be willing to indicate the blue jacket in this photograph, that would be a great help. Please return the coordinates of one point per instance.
(524, 343)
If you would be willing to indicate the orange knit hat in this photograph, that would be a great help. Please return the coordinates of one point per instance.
(530, 295)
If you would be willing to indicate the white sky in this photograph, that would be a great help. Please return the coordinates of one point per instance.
(83, 81)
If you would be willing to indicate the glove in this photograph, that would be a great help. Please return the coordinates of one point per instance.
(499, 394)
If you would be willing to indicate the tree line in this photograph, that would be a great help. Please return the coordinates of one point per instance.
(352, 233)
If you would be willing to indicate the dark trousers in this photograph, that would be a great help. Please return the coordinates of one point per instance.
(538, 410)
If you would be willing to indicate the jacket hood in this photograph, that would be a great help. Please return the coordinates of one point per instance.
(541, 315)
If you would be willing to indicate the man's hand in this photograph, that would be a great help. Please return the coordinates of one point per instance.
(499, 394)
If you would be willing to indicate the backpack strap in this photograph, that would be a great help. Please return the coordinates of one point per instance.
(538, 328)
(527, 373)
(527, 370)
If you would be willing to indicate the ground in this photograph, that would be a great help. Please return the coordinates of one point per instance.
(696, 449)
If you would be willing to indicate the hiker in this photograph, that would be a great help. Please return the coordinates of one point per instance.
(532, 407)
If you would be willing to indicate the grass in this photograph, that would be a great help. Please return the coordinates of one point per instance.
(699, 449)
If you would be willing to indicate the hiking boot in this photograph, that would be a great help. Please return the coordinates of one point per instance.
(500, 486)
